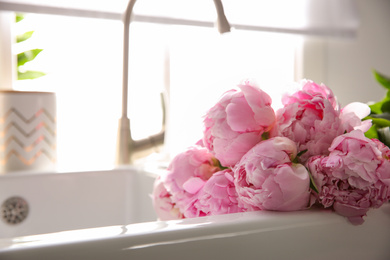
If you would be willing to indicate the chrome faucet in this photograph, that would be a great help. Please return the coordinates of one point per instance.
(127, 148)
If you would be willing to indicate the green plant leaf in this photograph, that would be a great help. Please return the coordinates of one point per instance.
(218, 164)
(376, 108)
(379, 122)
(30, 74)
(382, 79)
(372, 133)
(296, 159)
(384, 135)
(313, 185)
(19, 17)
(27, 56)
(385, 106)
(24, 36)
(385, 115)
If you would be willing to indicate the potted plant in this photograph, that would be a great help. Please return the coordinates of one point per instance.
(27, 121)
(380, 113)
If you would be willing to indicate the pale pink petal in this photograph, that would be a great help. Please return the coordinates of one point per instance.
(193, 185)
(237, 122)
(266, 178)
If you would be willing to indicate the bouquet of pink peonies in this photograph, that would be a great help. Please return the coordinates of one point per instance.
(309, 152)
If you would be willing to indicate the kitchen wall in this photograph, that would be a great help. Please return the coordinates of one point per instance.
(345, 65)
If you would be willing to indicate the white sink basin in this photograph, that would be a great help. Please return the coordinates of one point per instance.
(66, 201)
(102, 213)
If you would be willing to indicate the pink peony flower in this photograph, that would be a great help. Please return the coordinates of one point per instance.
(162, 202)
(218, 196)
(236, 123)
(310, 117)
(187, 173)
(383, 170)
(309, 91)
(352, 114)
(354, 177)
(266, 177)
(385, 151)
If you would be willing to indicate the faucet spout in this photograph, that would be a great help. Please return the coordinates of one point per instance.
(126, 146)
(222, 23)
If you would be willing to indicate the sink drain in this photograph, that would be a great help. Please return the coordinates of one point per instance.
(14, 210)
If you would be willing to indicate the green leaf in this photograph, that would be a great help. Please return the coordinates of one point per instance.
(19, 17)
(301, 153)
(376, 108)
(30, 74)
(218, 164)
(382, 79)
(372, 133)
(385, 115)
(313, 186)
(385, 106)
(379, 122)
(296, 159)
(24, 36)
(384, 135)
(27, 56)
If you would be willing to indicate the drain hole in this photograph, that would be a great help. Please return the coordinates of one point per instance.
(14, 210)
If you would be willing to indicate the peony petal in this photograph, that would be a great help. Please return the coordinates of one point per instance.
(361, 110)
(240, 145)
(240, 116)
(218, 196)
(353, 213)
(265, 177)
(193, 185)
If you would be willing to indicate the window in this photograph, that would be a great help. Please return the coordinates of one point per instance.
(83, 61)
(205, 64)
(194, 65)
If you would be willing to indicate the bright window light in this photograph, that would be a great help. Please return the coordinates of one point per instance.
(204, 64)
(83, 62)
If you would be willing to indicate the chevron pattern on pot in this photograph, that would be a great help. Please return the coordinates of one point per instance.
(27, 140)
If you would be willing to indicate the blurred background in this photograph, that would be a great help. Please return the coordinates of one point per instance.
(192, 65)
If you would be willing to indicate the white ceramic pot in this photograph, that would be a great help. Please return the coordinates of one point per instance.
(27, 131)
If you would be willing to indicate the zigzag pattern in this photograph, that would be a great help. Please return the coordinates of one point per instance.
(26, 148)
(24, 160)
(19, 142)
(27, 134)
(27, 120)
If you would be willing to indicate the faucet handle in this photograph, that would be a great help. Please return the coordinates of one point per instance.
(129, 149)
